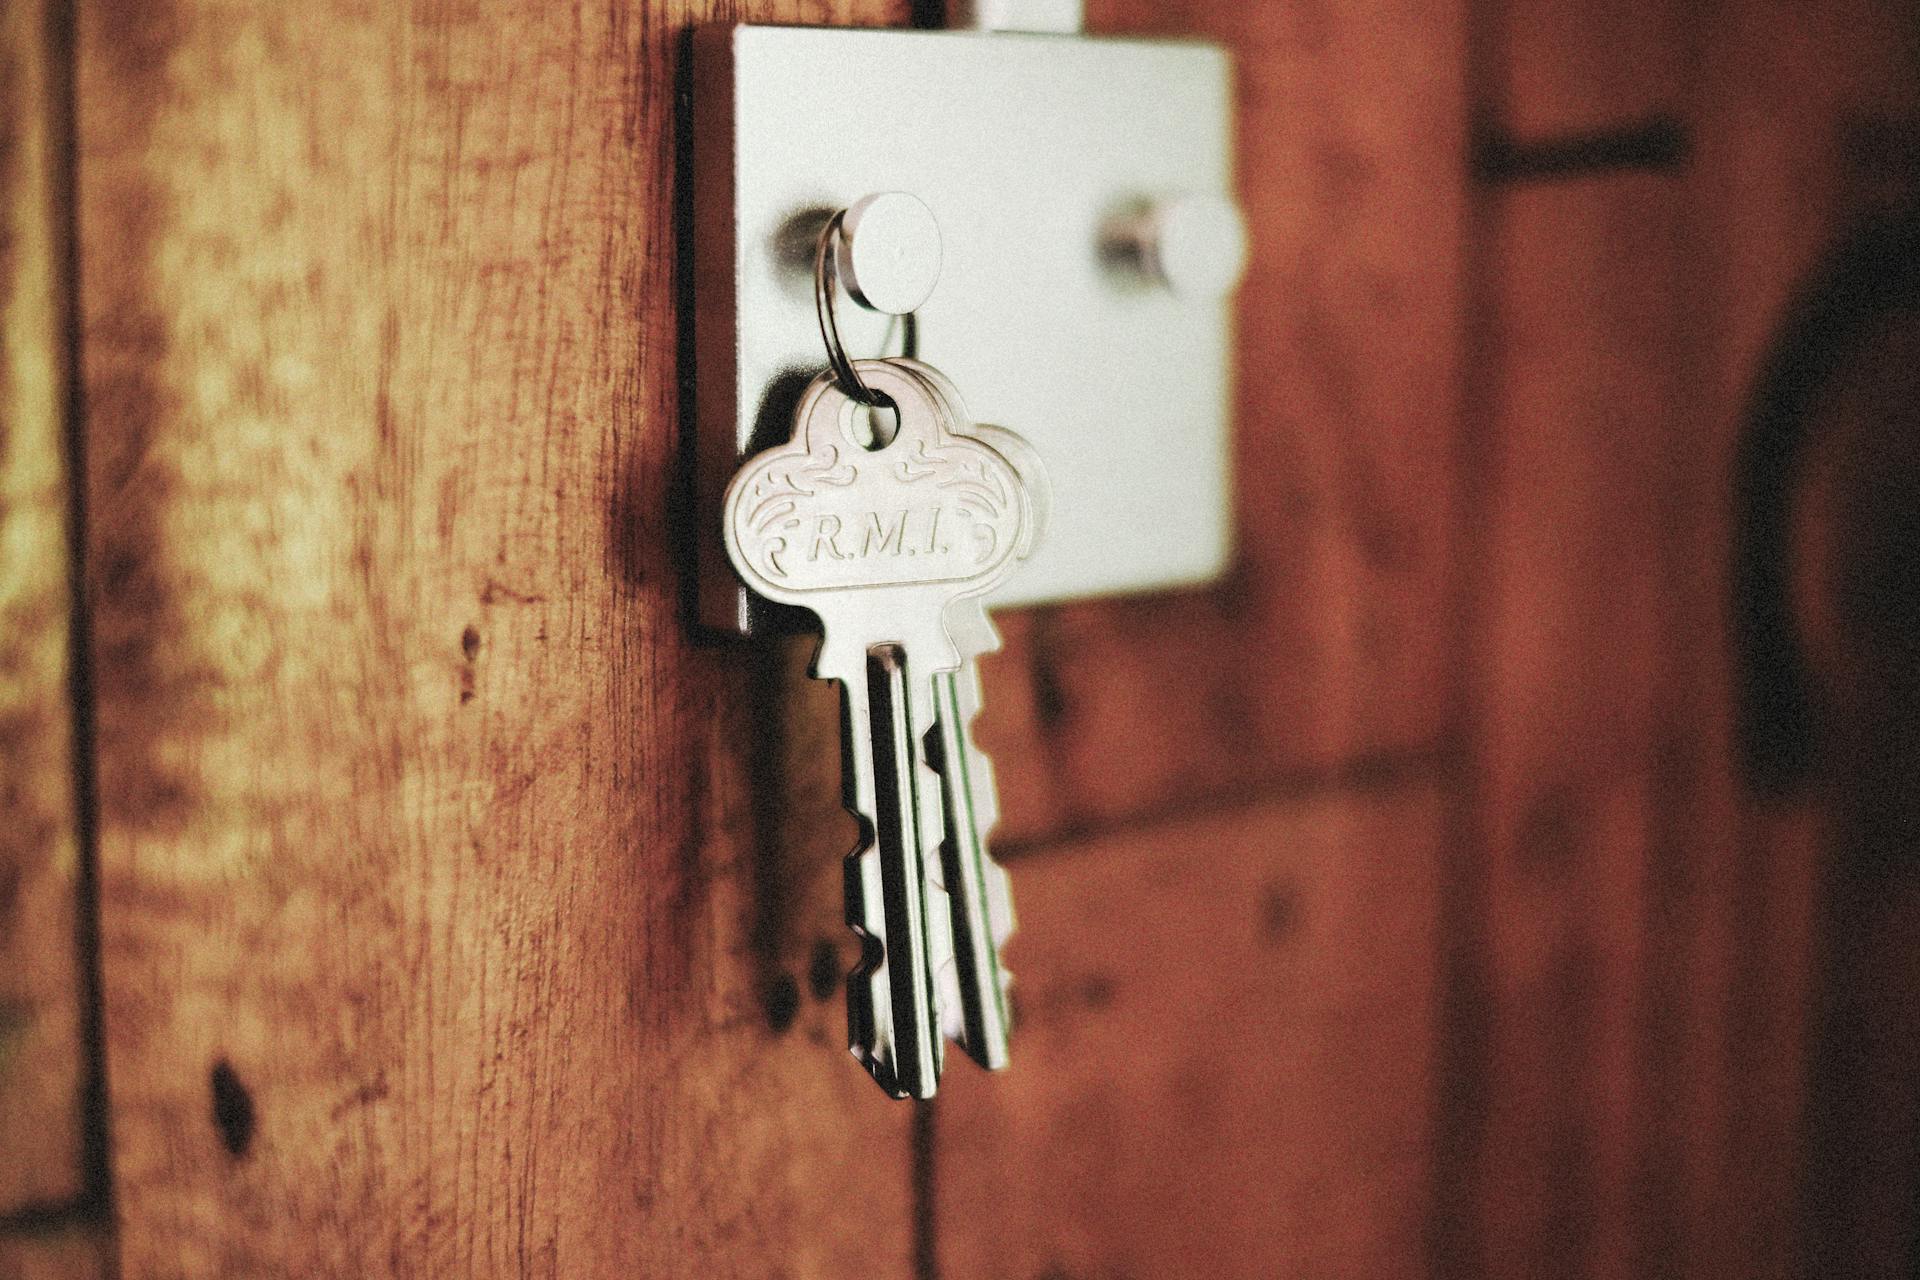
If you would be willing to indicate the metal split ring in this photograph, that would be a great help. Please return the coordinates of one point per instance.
(826, 285)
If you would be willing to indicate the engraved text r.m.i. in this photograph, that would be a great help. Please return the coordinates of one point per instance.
(909, 531)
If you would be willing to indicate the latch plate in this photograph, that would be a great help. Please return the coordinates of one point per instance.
(1025, 147)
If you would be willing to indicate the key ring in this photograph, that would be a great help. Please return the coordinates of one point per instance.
(826, 283)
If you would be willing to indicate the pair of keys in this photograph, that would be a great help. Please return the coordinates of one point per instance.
(893, 543)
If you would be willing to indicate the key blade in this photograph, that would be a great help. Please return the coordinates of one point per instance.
(893, 1016)
(980, 899)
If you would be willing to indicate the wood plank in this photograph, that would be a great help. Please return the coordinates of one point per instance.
(1627, 315)
(456, 919)
(1225, 1059)
(1855, 492)
(1782, 851)
(1592, 1034)
(42, 994)
(1552, 1087)
(1554, 70)
(77, 1252)
(1351, 133)
(1786, 97)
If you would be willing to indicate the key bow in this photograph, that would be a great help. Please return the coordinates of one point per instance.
(828, 524)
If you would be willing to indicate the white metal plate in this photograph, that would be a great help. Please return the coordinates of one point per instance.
(1022, 145)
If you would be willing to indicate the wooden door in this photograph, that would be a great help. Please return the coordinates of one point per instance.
(400, 886)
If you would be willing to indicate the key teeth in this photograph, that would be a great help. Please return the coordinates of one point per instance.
(869, 982)
(1003, 922)
(952, 1007)
(1000, 904)
(986, 809)
(986, 798)
(867, 990)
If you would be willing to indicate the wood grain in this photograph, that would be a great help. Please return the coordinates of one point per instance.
(450, 919)
(1553, 1094)
(1556, 70)
(1559, 1081)
(69, 1253)
(1856, 495)
(43, 1070)
(1790, 99)
(1391, 909)
(1631, 946)
(1317, 655)
(1548, 1100)
(1225, 1060)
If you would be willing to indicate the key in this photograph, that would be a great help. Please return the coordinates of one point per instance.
(978, 891)
(877, 543)
(980, 896)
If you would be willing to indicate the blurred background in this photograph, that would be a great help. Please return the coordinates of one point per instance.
(1506, 871)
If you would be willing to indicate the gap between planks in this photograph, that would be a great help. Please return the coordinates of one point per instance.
(1368, 773)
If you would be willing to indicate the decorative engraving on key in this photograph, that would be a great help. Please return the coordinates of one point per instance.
(827, 524)
(825, 514)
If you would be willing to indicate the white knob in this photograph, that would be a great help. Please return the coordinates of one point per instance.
(889, 252)
(1195, 244)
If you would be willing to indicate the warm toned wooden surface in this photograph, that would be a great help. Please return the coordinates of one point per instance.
(1546, 71)
(1780, 177)
(1562, 797)
(1392, 909)
(434, 864)
(1227, 1061)
(1859, 502)
(1632, 960)
(42, 1055)
(75, 1252)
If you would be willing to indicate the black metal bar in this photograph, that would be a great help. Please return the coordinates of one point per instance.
(1661, 144)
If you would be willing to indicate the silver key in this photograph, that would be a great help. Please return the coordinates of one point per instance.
(878, 543)
(980, 896)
